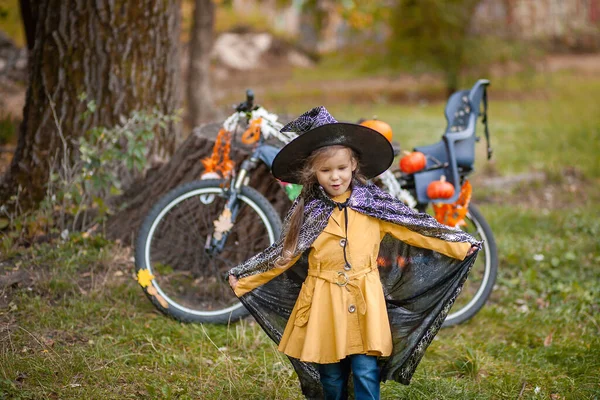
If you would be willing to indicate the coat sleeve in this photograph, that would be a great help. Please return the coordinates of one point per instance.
(456, 250)
(386, 207)
(266, 259)
(251, 282)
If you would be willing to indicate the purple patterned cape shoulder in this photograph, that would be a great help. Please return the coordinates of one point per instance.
(419, 291)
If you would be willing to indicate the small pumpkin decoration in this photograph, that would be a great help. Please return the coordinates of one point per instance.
(379, 126)
(412, 162)
(441, 189)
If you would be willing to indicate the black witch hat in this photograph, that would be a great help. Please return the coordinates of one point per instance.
(317, 128)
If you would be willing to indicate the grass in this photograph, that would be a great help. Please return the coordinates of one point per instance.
(98, 337)
(80, 326)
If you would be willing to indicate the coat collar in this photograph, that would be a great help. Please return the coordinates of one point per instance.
(335, 225)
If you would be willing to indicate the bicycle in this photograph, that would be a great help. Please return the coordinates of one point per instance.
(183, 280)
(199, 230)
(453, 157)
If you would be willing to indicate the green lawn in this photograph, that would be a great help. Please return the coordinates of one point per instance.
(82, 327)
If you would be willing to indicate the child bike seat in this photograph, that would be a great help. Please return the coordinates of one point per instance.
(454, 155)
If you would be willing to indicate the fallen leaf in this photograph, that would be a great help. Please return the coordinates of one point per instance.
(161, 300)
(523, 309)
(542, 303)
(548, 340)
(144, 277)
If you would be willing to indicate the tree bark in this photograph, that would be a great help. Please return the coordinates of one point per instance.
(122, 55)
(29, 17)
(183, 167)
(199, 93)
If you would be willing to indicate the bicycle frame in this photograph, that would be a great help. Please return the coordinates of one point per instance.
(263, 152)
(268, 127)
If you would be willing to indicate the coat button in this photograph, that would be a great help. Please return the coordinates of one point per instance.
(352, 308)
(343, 242)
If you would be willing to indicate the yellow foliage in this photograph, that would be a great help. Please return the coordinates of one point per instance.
(144, 277)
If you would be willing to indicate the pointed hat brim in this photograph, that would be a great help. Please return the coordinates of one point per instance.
(374, 150)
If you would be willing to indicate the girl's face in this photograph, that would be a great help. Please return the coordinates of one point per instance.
(334, 170)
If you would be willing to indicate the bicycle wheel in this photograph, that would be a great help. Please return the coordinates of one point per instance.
(482, 277)
(182, 279)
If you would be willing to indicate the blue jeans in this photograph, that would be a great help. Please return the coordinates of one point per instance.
(334, 378)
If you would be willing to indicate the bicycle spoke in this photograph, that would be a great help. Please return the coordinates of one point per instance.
(183, 270)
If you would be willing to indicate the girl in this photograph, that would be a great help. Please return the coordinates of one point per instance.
(318, 291)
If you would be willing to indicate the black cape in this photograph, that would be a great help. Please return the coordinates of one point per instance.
(419, 294)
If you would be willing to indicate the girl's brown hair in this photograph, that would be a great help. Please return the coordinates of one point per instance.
(308, 180)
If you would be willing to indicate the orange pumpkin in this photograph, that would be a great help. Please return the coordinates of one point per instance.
(412, 162)
(441, 189)
(379, 126)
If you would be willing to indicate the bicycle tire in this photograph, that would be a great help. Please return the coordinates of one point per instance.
(482, 277)
(182, 280)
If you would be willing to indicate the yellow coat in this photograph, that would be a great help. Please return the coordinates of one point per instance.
(342, 312)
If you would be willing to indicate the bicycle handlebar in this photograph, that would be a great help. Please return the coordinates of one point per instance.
(247, 105)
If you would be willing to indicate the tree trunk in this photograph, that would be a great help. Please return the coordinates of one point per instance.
(183, 167)
(122, 55)
(29, 16)
(199, 93)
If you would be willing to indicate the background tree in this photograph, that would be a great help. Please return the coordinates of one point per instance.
(433, 33)
(29, 10)
(123, 56)
(199, 92)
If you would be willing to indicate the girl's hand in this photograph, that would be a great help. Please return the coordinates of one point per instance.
(472, 249)
(233, 281)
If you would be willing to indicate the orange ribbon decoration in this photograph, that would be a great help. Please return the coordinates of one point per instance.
(219, 160)
(252, 134)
